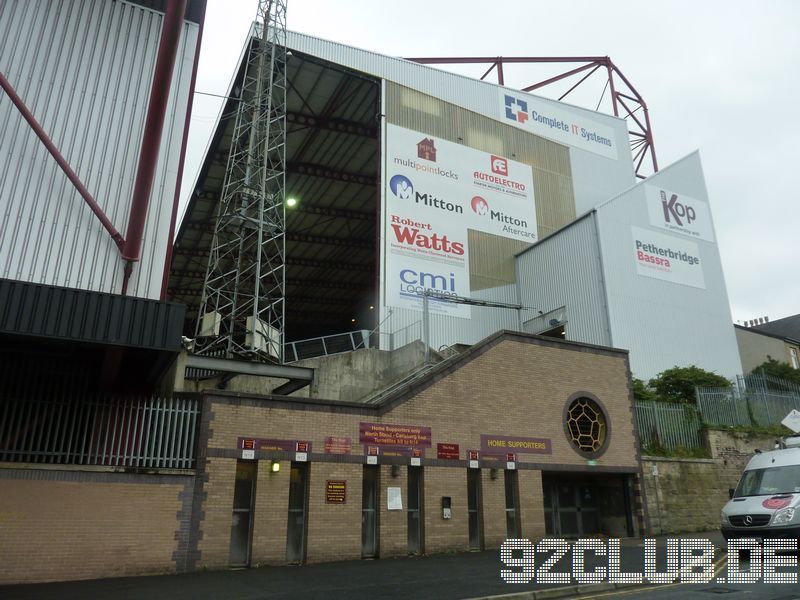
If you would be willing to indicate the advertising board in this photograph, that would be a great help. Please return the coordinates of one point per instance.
(435, 192)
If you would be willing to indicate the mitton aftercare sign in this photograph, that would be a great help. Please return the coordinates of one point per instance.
(679, 213)
(436, 191)
(667, 257)
(543, 118)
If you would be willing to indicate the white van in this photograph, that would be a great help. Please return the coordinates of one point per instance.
(766, 503)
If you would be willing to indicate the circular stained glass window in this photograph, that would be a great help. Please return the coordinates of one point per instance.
(586, 425)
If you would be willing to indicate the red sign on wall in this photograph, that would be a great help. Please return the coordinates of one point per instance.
(394, 435)
(338, 445)
(269, 444)
(447, 451)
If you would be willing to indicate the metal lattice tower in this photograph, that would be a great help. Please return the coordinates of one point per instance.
(242, 307)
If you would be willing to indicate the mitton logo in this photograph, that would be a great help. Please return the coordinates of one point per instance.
(480, 206)
(516, 109)
(499, 165)
(401, 187)
(426, 150)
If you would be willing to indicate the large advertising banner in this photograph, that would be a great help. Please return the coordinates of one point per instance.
(679, 213)
(542, 118)
(667, 257)
(435, 191)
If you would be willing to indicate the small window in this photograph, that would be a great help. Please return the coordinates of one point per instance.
(795, 360)
(586, 426)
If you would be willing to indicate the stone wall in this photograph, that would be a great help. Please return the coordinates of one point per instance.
(685, 495)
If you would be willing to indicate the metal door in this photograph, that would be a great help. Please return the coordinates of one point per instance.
(298, 500)
(570, 509)
(513, 526)
(242, 519)
(475, 509)
(415, 511)
(369, 512)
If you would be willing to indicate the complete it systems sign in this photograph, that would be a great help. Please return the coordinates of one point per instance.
(544, 119)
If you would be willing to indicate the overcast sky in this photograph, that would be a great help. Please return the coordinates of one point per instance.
(721, 76)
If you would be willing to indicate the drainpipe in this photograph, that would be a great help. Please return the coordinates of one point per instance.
(176, 200)
(154, 125)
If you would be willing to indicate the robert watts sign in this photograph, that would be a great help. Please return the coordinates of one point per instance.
(679, 213)
(543, 118)
(435, 192)
(667, 257)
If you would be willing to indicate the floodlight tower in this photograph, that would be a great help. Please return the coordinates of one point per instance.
(242, 307)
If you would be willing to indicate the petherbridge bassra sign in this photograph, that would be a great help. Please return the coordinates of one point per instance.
(667, 257)
(435, 192)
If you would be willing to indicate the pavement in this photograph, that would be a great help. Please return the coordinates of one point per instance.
(455, 576)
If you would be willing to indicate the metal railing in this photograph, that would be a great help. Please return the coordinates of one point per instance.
(143, 432)
(326, 345)
(668, 425)
(758, 400)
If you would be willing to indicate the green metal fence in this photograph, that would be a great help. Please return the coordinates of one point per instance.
(669, 426)
(753, 400)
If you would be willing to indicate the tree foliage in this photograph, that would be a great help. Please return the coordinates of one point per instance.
(775, 368)
(677, 384)
(642, 392)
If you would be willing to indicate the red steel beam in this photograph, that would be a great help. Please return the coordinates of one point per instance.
(184, 143)
(593, 61)
(154, 125)
(61, 161)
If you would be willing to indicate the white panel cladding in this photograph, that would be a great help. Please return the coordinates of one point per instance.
(663, 323)
(84, 68)
(595, 178)
(565, 270)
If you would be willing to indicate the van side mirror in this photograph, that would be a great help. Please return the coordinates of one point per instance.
(730, 493)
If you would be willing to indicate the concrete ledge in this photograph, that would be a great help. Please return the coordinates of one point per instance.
(705, 461)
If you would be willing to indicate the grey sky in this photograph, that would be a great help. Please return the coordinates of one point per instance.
(721, 76)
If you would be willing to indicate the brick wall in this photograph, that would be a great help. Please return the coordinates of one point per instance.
(393, 539)
(271, 514)
(494, 508)
(215, 535)
(514, 387)
(688, 494)
(64, 524)
(334, 530)
(531, 504)
(446, 534)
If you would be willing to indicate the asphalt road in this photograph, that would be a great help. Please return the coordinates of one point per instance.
(449, 576)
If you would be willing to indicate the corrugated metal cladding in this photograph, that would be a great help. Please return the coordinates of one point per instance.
(84, 69)
(78, 315)
(595, 178)
(665, 323)
(565, 270)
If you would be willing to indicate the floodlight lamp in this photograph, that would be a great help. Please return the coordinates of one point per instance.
(291, 202)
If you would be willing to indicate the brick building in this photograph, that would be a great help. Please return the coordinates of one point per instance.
(511, 388)
(485, 434)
